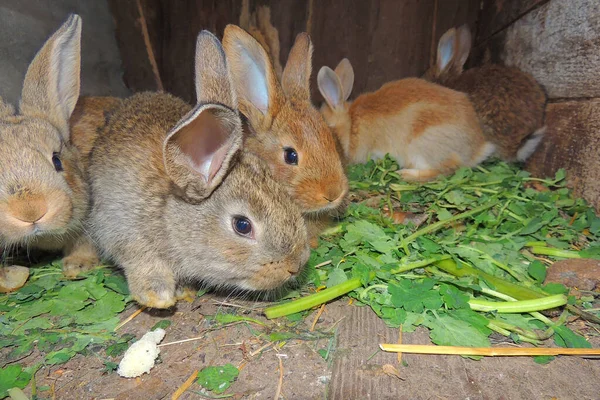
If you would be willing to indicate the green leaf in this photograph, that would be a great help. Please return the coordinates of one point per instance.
(59, 357)
(537, 270)
(542, 360)
(218, 379)
(448, 331)
(336, 276)
(162, 324)
(453, 297)
(564, 337)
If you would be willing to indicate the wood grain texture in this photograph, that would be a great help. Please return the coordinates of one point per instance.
(358, 374)
(559, 44)
(572, 142)
(383, 39)
(139, 73)
(498, 14)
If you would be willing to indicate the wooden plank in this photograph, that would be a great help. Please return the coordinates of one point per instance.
(498, 14)
(572, 142)
(182, 21)
(559, 44)
(132, 20)
(358, 373)
(289, 17)
(383, 39)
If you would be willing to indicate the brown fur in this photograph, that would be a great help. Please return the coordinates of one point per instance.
(168, 182)
(289, 120)
(429, 129)
(40, 206)
(89, 118)
(509, 103)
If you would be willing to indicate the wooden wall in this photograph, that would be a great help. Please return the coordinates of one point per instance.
(558, 42)
(384, 39)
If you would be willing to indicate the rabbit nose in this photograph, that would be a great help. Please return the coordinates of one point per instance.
(333, 194)
(30, 210)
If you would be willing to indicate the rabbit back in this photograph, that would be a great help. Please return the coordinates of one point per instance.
(423, 125)
(510, 105)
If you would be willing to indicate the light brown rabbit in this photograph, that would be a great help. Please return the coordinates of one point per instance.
(176, 201)
(510, 104)
(284, 128)
(43, 194)
(429, 129)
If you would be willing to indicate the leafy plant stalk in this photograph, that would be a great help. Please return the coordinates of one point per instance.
(440, 224)
(513, 290)
(548, 251)
(313, 300)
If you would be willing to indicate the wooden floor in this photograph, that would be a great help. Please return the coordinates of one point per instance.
(357, 374)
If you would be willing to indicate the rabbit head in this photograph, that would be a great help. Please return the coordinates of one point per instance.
(284, 128)
(336, 87)
(452, 53)
(42, 191)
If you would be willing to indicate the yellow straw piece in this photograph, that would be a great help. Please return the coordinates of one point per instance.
(488, 351)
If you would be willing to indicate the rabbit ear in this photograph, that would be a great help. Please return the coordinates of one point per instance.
(463, 46)
(258, 90)
(446, 50)
(51, 86)
(213, 81)
(330, 88)
(295, 79)
(198, 151)
(345, 72)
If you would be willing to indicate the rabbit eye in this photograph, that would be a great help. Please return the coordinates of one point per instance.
(57, 163)
(242, 226)
(290, 156)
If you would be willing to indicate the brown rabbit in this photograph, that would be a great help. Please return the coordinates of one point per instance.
(510, 104)
(429, 129)
(284, 127)
(176, 201)
(43, 194)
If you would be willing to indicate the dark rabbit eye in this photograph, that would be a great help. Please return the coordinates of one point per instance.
(290, 156)
(57, 163)
(242, 226)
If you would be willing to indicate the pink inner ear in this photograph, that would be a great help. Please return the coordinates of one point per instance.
(205, 142)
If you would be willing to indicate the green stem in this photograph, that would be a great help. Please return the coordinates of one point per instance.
(313, 300)
(518, 307)
(536, 315)
(549, 251)
(418, 264)
(536, 244)
(440, 224)
(516, 291)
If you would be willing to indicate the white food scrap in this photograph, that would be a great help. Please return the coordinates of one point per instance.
(140, 357)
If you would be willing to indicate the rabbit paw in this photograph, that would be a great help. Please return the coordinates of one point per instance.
(75, 264)
(156, 296)
(80, 257)
(185, 293)
(12, 278)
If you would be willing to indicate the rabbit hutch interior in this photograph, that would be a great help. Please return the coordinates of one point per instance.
(299, 199)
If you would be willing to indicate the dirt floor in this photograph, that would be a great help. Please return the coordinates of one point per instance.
(354, 368)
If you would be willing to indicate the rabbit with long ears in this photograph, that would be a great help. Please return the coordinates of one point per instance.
(284, 128)
(177, 201)
(429, 129)
(43, 194)
(510, 104)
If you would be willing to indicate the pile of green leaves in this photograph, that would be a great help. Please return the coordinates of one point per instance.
(495, 213)
(61, 318)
